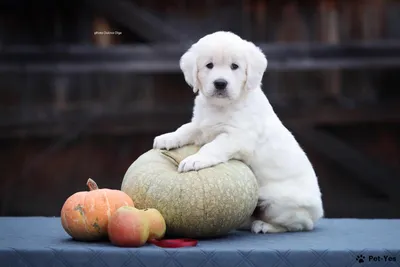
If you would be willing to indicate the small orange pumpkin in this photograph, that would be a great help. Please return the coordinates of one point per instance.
(85, 215)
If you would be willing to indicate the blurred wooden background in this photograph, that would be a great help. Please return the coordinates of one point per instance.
(75, 104)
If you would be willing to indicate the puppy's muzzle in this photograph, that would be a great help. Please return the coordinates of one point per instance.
(220, 84)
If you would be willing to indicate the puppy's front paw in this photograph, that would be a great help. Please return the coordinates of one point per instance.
(167, 141)
(195, 162)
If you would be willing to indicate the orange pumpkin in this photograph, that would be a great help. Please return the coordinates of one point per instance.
(85, 215)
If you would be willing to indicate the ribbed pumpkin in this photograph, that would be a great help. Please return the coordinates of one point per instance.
(206, 203)
(85, 215)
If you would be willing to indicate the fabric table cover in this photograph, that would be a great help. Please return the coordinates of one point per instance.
(42, 242)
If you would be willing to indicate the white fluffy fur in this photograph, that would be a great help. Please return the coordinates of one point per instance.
(241, 124)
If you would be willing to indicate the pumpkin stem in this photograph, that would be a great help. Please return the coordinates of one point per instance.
(92, 184)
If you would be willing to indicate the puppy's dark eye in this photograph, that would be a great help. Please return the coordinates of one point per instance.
(234, 66)
(210, 65)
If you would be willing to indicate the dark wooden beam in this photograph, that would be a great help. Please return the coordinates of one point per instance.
(318, 115)
(172, 66)
(171, 49)
(164, 57)
(367, 171)
(47, 122)
(145, 122)
(137, 20)
(332, 115)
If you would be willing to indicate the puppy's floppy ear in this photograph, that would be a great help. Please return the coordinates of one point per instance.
(256, 66)
(188, 65)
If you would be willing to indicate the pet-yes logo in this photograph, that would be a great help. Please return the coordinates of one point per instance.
(370, 258)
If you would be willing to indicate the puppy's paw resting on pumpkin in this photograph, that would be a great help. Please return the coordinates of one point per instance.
(167, 141)
(196, 162)
(259, 226)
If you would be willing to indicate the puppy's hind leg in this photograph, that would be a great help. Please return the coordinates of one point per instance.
(259, 226)
(277, 219)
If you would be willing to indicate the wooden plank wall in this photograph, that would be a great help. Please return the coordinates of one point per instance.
(39, 172)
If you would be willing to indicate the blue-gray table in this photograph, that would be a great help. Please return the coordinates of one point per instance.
(42, 242)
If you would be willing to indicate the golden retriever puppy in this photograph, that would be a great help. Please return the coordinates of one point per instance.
(233, 119)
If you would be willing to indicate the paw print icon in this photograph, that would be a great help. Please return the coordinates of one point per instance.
(360, 258)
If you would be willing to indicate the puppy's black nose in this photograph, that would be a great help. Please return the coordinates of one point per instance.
(220, 84)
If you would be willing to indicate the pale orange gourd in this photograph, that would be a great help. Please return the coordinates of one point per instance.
(85, 215)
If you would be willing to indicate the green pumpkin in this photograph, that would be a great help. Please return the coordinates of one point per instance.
(206, 203)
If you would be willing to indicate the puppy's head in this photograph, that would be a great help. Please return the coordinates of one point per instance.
(221, 66)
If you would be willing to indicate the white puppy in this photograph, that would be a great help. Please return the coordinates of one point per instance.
(233, 119)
